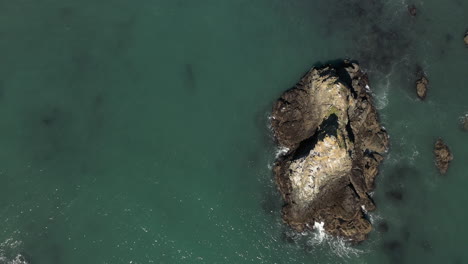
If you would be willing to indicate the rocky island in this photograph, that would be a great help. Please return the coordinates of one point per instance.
(333, 144)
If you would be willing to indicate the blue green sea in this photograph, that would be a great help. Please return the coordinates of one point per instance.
(138, 131)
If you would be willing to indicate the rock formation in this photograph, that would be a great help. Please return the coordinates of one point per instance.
(335, 143)
(421, 87)
(443, 156)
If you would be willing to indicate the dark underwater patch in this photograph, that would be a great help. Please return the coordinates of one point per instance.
(405, 233)
(448, 37)
(98, 100)
(190, 78)
(403, 172)
(383, 227)
(96, 113)
(394, 249)
(124, 33)
(83, 66)
(395, 195)
(51, 117)
(65, 14)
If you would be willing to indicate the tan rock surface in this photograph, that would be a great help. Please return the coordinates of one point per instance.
(421, 87)
(443, 156)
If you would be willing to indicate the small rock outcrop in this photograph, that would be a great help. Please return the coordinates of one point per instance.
(335, 143)
(443, 156)
(421, 86)
(464, 123)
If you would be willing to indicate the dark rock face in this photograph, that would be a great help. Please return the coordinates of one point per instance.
(443, 156)
(334, 144)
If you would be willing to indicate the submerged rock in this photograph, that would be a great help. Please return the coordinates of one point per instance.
(421, 86)
(412, 10)
(443, 156)
(335, 143)
(464, 122)
(466, 38)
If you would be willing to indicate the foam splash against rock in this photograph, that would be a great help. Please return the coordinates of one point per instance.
(339, 246)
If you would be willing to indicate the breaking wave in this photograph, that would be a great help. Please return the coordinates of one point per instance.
(318, 241)
(339, 246)
(8, 252)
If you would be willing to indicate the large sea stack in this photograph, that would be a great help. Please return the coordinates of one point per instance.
(335, 143)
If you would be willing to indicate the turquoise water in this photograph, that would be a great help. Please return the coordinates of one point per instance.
(137, 132)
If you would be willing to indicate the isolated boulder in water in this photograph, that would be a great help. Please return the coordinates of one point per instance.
(421, 87)
(335, 144)
(443, 156)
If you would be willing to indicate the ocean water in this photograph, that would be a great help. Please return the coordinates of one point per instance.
(137, 132)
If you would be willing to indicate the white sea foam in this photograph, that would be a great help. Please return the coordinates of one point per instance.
(364, 209)
(339, 246)
(414, 155)
(19, 259)
(281, 151)
(7, 252)
(374, 218)
(462, 118)
(320, 232)
(381, 99)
